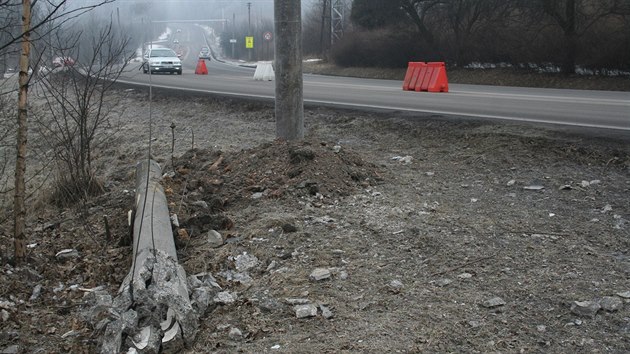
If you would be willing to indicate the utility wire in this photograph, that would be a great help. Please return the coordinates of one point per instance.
(146, 187)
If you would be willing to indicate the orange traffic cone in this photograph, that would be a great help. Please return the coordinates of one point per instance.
(201, 68)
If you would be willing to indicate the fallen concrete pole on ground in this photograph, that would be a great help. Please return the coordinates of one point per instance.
(152, 312)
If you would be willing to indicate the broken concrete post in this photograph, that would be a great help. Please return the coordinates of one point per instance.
(156, 285)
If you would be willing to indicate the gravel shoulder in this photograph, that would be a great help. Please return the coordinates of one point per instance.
(415, 233)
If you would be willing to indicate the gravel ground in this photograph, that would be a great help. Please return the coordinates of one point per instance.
(431, 234)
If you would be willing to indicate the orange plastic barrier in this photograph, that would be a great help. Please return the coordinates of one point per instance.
(430, 77)
(201, 68)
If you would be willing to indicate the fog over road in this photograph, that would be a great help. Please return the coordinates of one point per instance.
(599, 109)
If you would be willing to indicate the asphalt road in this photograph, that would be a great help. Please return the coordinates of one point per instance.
(584, 108)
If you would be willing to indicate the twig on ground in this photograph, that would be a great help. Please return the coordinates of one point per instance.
(464, 265)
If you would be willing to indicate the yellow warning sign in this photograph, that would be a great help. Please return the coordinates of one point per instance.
(249, 42)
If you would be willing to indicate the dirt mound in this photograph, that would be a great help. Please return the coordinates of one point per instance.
(213, 179)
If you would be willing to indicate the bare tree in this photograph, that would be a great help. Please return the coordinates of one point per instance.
(78, 105)
(49, 12)
(575, 18)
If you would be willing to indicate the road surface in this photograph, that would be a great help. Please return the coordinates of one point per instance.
(584, 108)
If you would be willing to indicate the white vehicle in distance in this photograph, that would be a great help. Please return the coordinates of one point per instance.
(161, 60)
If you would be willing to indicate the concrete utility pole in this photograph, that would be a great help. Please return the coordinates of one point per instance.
(249, 26)
(289, 86)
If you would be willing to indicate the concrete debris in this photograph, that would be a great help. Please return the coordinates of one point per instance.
(585, 184)
(235, 334)
(403, 159)
(271, 266)
(336, 149)
(225, 298)
(175, 220)
(474, 324)
(443, 282)
(277, 346)
(200, 204)
(465, 276)
(493, 302)
(67, 254)
(611, 303)
(244, 262)
(242, 278)
(202, 298)
(541, 328)
(214, 239)
(395, 286)
(343, 275)
(326, 312)
(304, 311)
(607, 208)
(534, 187)
(291, 301)
(37, 291)
(566, 187)
(12, 349)
(4, 314)
(159, 287)
(624, 294)
(320, 274)
(511, 183)
(585, 308)
(257, 195)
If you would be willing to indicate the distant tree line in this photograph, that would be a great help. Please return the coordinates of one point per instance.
(566, 33)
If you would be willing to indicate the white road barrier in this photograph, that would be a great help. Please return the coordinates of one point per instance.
(264, 71)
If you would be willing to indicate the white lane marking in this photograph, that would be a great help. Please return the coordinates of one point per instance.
(391, 108)
(514, 96)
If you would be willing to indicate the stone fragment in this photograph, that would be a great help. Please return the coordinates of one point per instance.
(67, 254)
(214, 239)
(244, 262)
(607, 208)
(200, 204)
(443, 282)
(585, 308)
(611, 303)
(326, 312)
(474, 324)
(465, 276)
(493, 302)
(235, 334)
(585, 184)
(320, 274)
(4, 314)
(225, 298)
(541, 328)
(534, 187)
(292, 301)
(304, 311)
(12, 349)
(511, 182)
(395, 286)
(336, 149)
(36, 292)
(624, 294)
(175, 220)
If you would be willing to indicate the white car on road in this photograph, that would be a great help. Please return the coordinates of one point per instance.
(161, 60)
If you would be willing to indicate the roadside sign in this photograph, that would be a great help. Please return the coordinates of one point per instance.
(267, 36)
(232, 40)
(249, 42)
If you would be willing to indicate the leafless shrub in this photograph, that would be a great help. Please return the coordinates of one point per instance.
(78, 118)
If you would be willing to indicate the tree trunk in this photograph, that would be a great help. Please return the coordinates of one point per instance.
(22, 130)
